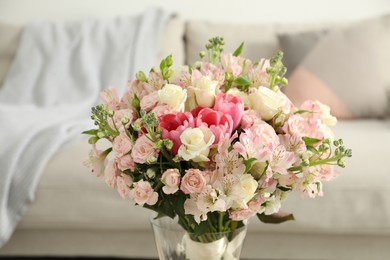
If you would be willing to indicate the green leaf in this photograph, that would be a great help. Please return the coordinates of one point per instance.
(136, 103)
(312, 149)
(162, 65)
(91, 132)
(309, 141)
(241, 81)
(93, 140)
(238, 51)
(248, 164)
(276, 218)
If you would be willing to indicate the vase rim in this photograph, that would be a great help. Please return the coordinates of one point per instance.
(174, 225)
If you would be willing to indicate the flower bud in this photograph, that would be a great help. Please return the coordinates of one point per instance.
(341, 163)
(110, 113)
(151, 159)
(125, 120)
(136, 127)
(151, 173)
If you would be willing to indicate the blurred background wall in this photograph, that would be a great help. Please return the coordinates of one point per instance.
(244, 11)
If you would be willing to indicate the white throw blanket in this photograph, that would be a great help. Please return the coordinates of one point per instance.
(57, 75)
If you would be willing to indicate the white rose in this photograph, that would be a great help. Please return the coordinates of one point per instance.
(195, 144)
(204, 89)
(238, 93)
(249, 186)
(327, 118)
(174, 96)
(267, 102)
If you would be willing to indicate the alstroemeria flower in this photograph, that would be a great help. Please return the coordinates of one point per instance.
(173, 125)
(97, 161)
(110, 98)
(232, 64)
(231, 105)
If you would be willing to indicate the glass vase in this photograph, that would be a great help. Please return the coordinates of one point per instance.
(175, 243)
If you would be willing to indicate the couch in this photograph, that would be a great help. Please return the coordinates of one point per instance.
(76, 214)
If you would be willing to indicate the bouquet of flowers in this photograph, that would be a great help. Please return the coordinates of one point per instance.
(214, 143)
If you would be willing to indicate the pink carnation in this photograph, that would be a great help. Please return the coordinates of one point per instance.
(231, 105)
(250, 118)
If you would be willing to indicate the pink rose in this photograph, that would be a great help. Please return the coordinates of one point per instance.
(219, 123)
(296, 124)
(117, 119)
(231, 105)
(171, 180)
(126, 162)
(110, 173)
(143, 150)
(193, 181)
(173, 125)
(122, 144)
(123, 183)
(149, 101)
(143, 193)
(161, 110)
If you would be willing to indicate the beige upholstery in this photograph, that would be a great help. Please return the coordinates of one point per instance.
(10, 36)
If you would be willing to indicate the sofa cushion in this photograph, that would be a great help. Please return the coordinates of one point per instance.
(10, 35)
(296, 46)
(348, 70)
(172, 41)
(261, 40)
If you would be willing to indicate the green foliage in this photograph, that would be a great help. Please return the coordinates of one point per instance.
(275, 218)
(238, 51)
(165, 65)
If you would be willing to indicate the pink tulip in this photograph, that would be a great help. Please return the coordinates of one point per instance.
(173, 125)
(231, 105)
(219, 123)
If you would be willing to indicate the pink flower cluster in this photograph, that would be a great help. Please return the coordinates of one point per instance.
(238, 149)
